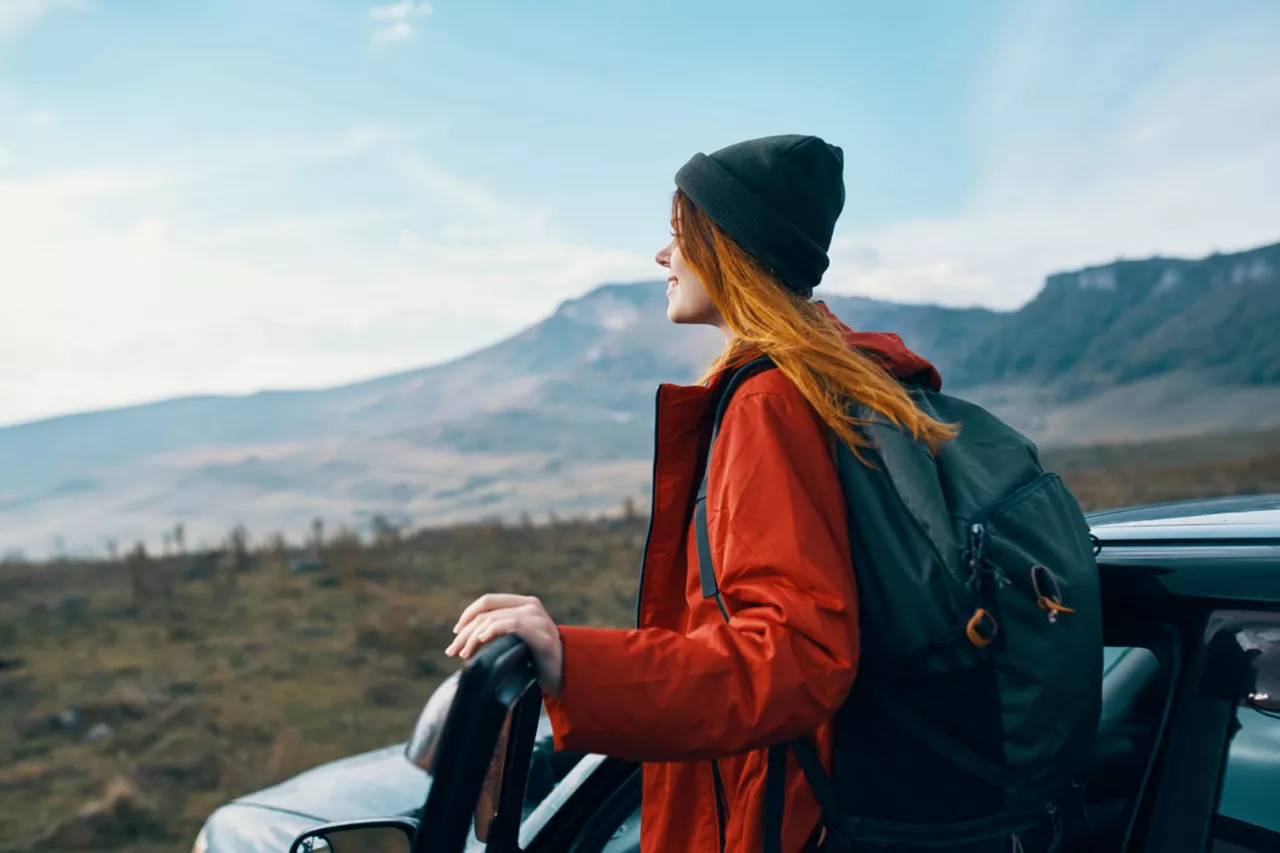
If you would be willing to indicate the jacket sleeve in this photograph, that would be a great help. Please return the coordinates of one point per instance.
(786, 659)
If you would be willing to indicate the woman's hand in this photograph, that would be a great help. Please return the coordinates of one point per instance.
(496, 614)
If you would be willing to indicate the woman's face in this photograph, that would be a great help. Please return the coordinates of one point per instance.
(687, 299)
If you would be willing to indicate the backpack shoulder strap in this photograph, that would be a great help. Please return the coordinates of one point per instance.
(775, 777)
(706, 568)
(737, 376)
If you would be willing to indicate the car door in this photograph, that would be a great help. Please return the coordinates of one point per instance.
(480, 801)
(484, 754)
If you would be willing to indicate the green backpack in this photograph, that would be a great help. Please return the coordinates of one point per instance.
(978, 692)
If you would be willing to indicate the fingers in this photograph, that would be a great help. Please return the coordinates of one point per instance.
(487, 624)
(523, 622)
(496, 626)
(486, 603)
(466, 641)
(465, 634)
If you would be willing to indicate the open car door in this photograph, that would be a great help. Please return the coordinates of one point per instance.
(495, 714)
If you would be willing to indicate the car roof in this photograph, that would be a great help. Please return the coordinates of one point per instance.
(1226, 549)
(1240, 517)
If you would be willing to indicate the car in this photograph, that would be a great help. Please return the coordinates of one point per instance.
(1187, 755)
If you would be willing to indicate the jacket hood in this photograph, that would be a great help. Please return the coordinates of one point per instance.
(889, 350)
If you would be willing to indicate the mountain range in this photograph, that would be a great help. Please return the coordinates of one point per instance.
(558, 417)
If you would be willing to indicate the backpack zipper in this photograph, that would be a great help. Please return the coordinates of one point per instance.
(722, 803)
(1016, 496)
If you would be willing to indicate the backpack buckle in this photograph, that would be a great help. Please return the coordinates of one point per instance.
(977, 544)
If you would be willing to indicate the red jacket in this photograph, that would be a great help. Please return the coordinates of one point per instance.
(685, 687)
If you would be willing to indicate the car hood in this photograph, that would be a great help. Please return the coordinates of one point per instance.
(373, 784)
(243, 828)
(380, 783)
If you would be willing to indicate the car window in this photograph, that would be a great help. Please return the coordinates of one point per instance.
(541, 815)
(1248, 817)
(1249, 807)
(1135, 690)
(548, 772)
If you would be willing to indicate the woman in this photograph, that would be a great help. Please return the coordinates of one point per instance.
(694, 692)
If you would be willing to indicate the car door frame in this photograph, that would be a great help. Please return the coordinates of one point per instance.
(500, 677)
(1220, 679)
(1179, 807)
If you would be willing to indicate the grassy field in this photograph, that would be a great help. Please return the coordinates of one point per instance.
(137, 695)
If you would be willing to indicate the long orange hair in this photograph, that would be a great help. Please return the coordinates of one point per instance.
(806, 344)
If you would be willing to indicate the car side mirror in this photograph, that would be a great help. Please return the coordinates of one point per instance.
(384, 835)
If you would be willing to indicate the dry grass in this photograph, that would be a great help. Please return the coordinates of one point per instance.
(149, 714)
(137, 696)
(1113, 475)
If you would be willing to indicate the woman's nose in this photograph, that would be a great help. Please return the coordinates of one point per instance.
(664, 256)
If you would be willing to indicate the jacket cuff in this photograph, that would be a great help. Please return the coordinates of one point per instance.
(576, 687)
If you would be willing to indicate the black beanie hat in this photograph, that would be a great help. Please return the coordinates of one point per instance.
(778, 198)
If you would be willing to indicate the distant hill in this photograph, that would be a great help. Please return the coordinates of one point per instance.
(558, 417)
(595, 360)
(1109, 325)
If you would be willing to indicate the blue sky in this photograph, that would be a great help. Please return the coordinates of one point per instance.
(227, 195)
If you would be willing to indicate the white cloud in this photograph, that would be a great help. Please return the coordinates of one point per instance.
(148, 235)
(87, 183)
(480, 215)
(1077, 170)
(17, 16)
(107, 311)
(282, 229)
(43, 117)
(397, 32)
(396, 21)
(399, 11)
(6, 156)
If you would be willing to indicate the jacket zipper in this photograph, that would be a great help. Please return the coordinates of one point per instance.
(722, 803)
(653, 500)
